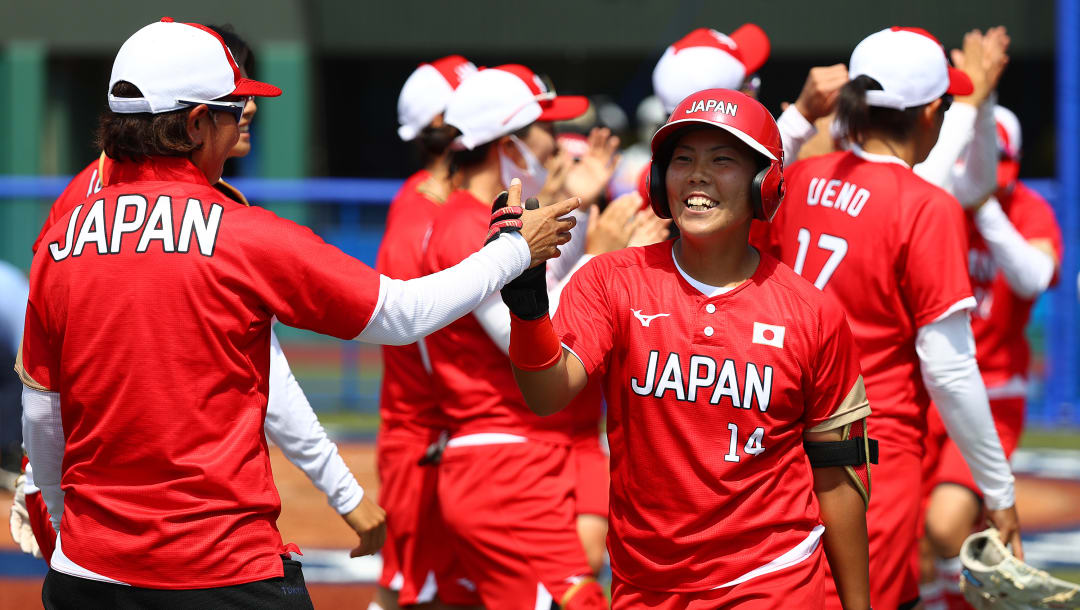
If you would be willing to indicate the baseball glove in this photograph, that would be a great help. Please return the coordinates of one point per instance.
(993, 578)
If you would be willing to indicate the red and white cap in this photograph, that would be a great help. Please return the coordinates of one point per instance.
(911, 66)
(498, 101)
(707, 59)
(1008, 142)
(426, 91)
(171, 61)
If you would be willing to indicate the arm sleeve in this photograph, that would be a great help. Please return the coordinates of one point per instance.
(956, 132)
(836, 395)
(795, 130)
(1027, 269)
(292, 425)
(583, 320)
(43, 438)
(975, 177)
(946, 350)
(494, 316)
(415, 308)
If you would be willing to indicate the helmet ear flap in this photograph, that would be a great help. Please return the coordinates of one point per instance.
(767, 191)
(657, 189)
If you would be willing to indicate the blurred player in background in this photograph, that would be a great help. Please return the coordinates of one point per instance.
(1016, 250)
(695, 341)
(13, 291)
(506, 481)
(707, 59)
(145, 360)
(418, 562)
(891, 247)
(291, 424)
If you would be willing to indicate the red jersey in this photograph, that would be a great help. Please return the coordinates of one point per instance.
(82, 186)
(1001, 316)
(891, 247)
(478, 381)
(149, 312)
(708, 400)
(408, 397)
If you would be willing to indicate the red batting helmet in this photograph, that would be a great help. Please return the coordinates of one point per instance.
(741, 116)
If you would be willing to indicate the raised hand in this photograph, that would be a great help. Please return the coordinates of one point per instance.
(610, 230)
(589, 176)
(821, 91)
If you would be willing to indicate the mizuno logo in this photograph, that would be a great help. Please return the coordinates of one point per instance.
(644, 319)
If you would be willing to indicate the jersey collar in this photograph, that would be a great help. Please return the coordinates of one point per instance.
(156, 169)
(876, 158)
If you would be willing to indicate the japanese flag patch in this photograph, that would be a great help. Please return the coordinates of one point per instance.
(768, 334)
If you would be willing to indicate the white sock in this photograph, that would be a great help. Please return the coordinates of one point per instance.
(949, 571)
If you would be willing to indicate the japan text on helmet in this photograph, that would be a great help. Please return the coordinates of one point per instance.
(743, 117)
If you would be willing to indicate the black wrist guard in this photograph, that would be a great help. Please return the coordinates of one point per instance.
(526, 295)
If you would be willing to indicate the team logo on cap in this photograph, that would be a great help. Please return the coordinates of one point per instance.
(710, 105)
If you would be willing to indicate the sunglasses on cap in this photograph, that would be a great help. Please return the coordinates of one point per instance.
(234, 108)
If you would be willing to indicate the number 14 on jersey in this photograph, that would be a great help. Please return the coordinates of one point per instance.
(753, 444)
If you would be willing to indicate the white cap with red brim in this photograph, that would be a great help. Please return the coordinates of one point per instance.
(911, 66)
(170, 61)
(426, 91)
(707, 59)
(498, 101)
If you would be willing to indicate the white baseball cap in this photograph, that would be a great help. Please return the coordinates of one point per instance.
(911, 66)
(426, 91)
(171, 61)
(498, 101)
(707, 59)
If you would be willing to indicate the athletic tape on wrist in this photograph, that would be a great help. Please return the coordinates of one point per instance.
(533, 344)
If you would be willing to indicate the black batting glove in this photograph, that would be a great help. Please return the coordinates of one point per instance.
(504, 218)
(526, 295)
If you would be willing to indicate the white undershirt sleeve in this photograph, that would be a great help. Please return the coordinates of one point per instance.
(795, 130)
(975, 177)
(43, 438)
(956, 132)
(1027, 269)
(291, 424)
(412, 309)
(946, 350)
(494, 316)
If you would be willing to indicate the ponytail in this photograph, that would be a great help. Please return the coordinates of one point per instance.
(857, 119)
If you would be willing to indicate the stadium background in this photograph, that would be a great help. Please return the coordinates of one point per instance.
(326, 154)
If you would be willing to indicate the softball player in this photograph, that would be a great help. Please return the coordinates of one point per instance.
(418, 564)
(718, 363)
(146, 347)
(1015, 252)
(506, 481)
(891, 247)
(291, 424)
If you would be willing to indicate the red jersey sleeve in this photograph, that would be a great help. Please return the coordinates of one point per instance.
(583, 320)
(836, 394)
(304, 281)
(37, 363)
(933, 261)
(457, 233)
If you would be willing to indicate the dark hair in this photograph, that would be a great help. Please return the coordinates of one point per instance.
(241, 51)
(464, 159)
(860, 119)
(433, 141)
(133, 137)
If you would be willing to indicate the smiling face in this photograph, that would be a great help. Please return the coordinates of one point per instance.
(708, 183)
